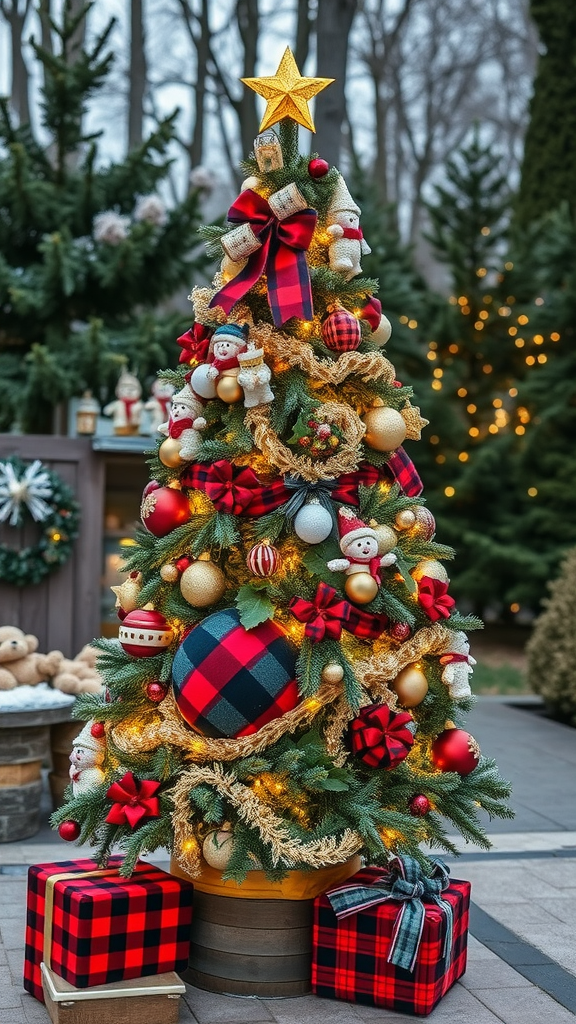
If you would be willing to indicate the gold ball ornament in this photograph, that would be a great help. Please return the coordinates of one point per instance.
(169, 573)
(332, 672)
(217, 848)
(169, 453)
(405, 519)
(385, 429)
(202, 584)
(425, 525)
(387, 538)
(361, 587)
(228, 388)
(410, 686)
(432, 568)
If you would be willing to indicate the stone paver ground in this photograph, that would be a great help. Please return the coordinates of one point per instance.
(527, 883)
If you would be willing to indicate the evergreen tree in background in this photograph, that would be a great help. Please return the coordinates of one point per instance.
(86, 251)
(549, 164)
(290, 665)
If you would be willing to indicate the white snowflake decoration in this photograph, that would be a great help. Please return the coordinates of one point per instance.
(30, 490)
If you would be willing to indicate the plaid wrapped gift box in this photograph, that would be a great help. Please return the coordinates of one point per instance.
(350, 954)
(102, 928)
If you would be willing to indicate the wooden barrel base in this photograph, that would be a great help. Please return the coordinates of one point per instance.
(251, 947)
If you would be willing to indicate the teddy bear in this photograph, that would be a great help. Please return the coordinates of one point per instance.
(343, 226)
(87, 755)
(80, 674)
(185, 422)
(458, 665)
(20, 665)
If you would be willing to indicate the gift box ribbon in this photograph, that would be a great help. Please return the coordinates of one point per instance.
(405, 883)
(281, 257)
(49, 901)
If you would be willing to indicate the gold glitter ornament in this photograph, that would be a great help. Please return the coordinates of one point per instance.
(385, 536)
(385, 429)
(287, 93)
(405, 519)
(332, 672)
(410, 686)
(169, 453)
(169, 573)
(228, 388)
(361, 587)
(430, 567)
(202, 584)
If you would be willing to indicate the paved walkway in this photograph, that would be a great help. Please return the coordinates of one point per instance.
(522, 952)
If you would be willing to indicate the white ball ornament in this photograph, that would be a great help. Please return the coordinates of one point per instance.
(201, 384)
(313, 523)
(217, 848)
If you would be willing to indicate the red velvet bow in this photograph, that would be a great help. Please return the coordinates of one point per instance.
(194, 344)
(229, 489)
(324, 615)
(281, 257)
(434, 597)
(134, 800)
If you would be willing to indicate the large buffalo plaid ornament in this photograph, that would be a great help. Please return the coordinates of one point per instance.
(381, 737)
(103, 928)
(341, 331)
(230, 681)
(355, 955)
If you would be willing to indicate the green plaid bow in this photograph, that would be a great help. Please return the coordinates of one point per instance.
(404, 882)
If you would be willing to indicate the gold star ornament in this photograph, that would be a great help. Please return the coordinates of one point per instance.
(287, 93)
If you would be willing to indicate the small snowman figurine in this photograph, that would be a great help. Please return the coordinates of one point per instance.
(254, 377)
(343, 226)
(219, 376)
(158, 405)
(126, 410)
(183, 425)
(458, 665)
(359, 545)
(85, 760)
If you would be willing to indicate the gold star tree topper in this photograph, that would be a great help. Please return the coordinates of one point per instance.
(287, 93)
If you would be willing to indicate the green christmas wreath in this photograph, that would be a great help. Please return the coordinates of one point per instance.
(31, 491)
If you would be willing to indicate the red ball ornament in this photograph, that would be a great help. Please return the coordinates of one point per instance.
(69, 831)
(156, 692)
(144, 633)
(455, 750)
(183, 563)
(317, 168)
(263, 560)
(400, 631)
(163, 509)
(341, 331)
(97, 730)
(381, 737)
(419, 805)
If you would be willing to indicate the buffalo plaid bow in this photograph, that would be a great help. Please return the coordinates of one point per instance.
(281, 257)
(403, 471)
(230, 489)
(434, 598)
(406, 883)
(194, 344)
(328, 614)
(134, 799)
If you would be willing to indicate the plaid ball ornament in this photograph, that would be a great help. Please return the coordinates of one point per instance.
(381, 737)
(341, 331)
(230, 681)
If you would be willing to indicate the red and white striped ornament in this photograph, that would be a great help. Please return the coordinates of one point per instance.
(263, 560)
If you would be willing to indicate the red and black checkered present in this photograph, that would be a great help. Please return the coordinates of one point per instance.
(103, 928)
(350, 954)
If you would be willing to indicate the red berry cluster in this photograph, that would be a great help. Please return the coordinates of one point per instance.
(323, 440)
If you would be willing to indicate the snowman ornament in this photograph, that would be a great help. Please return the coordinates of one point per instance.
(362, 563)
(226, 344)
(458, 665)
(158, 405)
(254, 377)
(185, 422)
(347, 244)
(85, 760)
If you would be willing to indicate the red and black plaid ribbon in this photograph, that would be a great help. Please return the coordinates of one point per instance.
(328, 614)
(194, 343)
(230, 488)
(434, 598)
(281, 257)
(403, 471)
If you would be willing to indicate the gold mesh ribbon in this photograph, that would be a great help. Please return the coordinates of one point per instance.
(345, 461)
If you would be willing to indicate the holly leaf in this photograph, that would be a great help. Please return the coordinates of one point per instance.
(404, 569)
(318, 555)
(254, 606)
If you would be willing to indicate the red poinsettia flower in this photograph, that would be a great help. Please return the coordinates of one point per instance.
(434, 598)
(134, 800)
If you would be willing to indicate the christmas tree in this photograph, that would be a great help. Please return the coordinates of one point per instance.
(87, 250)
(291, 675)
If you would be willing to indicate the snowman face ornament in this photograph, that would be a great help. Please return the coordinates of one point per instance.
(180, 411)
(83, 757)
(224, 349)
(362, 549)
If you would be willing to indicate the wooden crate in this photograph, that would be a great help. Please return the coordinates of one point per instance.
(154, 1000)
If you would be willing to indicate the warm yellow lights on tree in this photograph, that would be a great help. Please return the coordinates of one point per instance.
(463, 456)
(449, 492)
(532, 492)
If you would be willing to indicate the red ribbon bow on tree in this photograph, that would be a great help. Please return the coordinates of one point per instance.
(195, 343)
(229, 489)
(280, 256)
(434, 598)
(380, 737)
(324, 615)
(134, 800)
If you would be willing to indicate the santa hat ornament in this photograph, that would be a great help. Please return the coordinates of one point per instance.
(350, 527)
(88, 741)
(342, 200)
